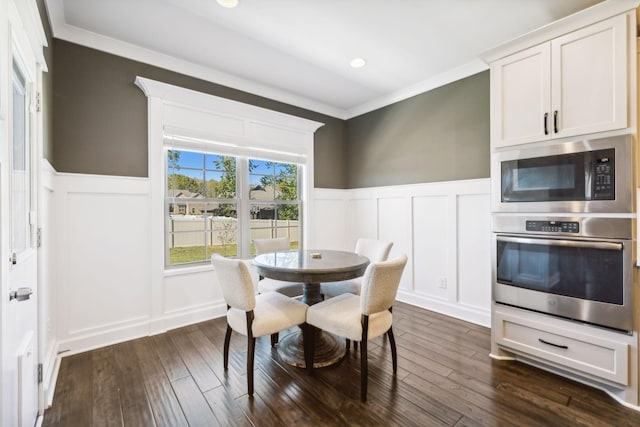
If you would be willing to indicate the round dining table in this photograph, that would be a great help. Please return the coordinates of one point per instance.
(311, 267)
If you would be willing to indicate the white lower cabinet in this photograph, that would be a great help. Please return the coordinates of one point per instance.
(582, 349)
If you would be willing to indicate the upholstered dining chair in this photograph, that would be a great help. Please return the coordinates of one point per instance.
(375, 250)
(265, 284)
(361, 317)
(250, 314)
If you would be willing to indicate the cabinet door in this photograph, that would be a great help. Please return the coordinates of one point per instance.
(520, 97)
(589, 79)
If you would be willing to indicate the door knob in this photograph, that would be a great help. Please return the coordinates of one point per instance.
(21, 294)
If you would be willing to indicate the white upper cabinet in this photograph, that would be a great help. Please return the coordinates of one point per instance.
(521, 97)
(573, 85)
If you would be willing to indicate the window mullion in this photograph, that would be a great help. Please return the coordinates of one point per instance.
(244, 220)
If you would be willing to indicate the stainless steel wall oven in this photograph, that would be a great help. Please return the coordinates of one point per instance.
(580, 176)
(578, 268)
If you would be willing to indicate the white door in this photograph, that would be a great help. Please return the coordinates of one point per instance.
(589, 78)
(520, 97)
(19, 255)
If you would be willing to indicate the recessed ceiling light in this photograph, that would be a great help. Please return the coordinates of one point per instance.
(228, 3)
(358, 62)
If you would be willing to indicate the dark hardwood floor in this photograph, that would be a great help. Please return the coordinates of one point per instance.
(445, 378)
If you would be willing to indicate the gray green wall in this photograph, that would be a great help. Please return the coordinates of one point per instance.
(100, 126)
(100, 116)
(440, 135)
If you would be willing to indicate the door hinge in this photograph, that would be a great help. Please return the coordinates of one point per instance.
(38, 102)
(39, 373)
(39, 237)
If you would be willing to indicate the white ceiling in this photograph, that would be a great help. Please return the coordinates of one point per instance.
(298, 51)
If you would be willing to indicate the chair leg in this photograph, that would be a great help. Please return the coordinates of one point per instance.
(251, 346)
(227, 339)
(274, 339)
(364, 369)
(348, 344)
(394, 354)
(355, 345)
(309, 344)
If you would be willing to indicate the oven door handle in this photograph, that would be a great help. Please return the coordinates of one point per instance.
(609, 246)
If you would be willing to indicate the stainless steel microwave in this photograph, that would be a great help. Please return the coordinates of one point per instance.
(579, 176)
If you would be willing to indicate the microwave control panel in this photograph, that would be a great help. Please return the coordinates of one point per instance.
(554, 226)
(603, 174)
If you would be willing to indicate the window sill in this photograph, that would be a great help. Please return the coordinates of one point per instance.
(181, 271)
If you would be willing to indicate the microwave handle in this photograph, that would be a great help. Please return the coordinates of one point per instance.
(610, 246)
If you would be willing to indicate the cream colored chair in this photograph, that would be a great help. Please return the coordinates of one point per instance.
(361, 317)
(250, 314)
(265, 284)
(375, 250)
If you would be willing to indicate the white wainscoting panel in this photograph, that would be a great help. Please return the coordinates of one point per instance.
(430, 218)
(107, 255)
(394, 225)
(330, 226)
(444, 228)
(105, 291)
(102, 255)
(474, 249)
(192, 297)
(363, 219)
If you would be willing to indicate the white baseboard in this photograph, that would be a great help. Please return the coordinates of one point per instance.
(188, 316)
(470, 314)
(109, 336)
(50, 368)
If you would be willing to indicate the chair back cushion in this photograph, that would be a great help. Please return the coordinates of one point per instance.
(375, 250)
(264, 246)
(235, 281)
(380, 285)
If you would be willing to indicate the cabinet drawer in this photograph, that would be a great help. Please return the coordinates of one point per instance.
(594, 355)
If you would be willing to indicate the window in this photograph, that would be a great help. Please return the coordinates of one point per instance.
(274, 204)
(20, 160)
(199, 125)
(207, 213)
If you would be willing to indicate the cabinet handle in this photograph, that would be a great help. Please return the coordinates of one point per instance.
(564, 347)
(555, 121)
(546, 122)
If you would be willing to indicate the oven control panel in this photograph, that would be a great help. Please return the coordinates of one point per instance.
(554, 226)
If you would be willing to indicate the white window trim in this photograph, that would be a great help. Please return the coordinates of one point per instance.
(201, 117)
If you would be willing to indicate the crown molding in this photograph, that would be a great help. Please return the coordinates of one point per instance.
(473, 67)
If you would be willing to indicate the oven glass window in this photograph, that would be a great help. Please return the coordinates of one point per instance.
(578, 272)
